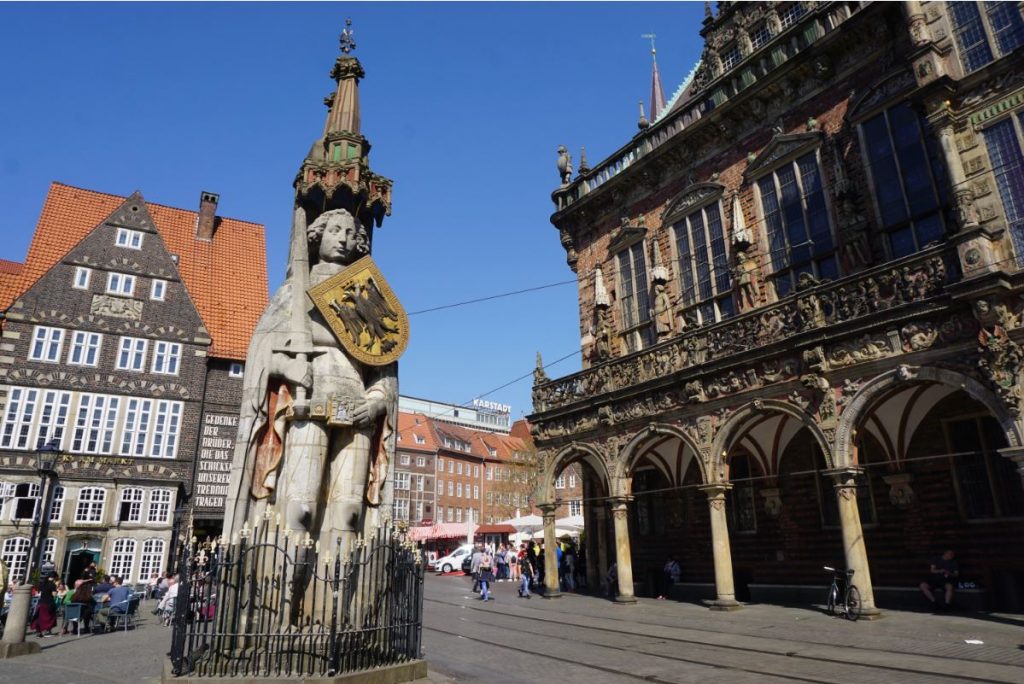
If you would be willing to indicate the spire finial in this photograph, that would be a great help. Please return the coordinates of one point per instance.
(347, 39)
(643, 123)
(652, 36)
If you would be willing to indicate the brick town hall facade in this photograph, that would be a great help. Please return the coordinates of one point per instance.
(123, 341)
(801, 310)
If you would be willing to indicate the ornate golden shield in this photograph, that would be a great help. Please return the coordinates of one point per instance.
(363, 313)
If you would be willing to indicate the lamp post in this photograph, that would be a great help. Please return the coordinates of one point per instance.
(13, 642)
(176, 541)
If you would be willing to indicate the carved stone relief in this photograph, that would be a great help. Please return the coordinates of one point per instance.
(116, 307)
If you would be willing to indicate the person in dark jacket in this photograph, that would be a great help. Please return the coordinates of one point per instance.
(46, 610)
(486, 575)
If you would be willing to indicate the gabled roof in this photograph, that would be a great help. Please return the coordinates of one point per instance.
(10, 268)
(433, 432)
(226, 276)
(411, 426)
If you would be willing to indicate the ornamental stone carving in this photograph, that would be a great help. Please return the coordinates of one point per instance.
(116, 307)
(901, 495)
(772, 502)
(1001, 359)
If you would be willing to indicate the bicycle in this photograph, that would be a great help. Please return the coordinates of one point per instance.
(851, 597)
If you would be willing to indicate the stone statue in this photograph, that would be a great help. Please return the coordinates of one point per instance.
(853, 230)
(662, 311)
(602, 334)
(746, 268)
(564, 165)
(316, 430)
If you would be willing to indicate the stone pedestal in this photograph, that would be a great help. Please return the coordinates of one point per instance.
(13, 643)
(623, 559)
(725, 591)
(551, 588)
(853, 539)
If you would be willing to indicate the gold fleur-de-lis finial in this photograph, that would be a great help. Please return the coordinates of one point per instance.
(347, 40)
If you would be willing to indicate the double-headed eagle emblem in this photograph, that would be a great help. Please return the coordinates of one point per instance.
(363, 313)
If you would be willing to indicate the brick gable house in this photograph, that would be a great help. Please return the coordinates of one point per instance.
(123, 340)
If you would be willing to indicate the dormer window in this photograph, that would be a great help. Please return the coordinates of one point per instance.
(236, 370)
(130, 239)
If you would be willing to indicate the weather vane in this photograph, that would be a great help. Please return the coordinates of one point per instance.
(652, 37)
(348, 43)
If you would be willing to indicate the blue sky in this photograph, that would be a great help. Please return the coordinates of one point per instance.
(464, 103)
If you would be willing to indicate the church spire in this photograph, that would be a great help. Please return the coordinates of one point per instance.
(657, 92)
(336, 172)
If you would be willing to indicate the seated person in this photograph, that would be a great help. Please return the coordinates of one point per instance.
(83, 595)
(115, 602)
(103, 585)
(943, 574)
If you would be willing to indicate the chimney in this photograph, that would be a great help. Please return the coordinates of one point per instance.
(207, 223)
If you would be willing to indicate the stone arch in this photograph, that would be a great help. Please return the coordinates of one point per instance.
(633, 449)
(577, 451)
(877, 387)
(727, 432)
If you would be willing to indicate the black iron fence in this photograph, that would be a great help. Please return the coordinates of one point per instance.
(272, 604)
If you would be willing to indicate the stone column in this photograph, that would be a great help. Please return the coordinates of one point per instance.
(725, 592)
(623, 559)
(551, 588)
(853, 537)
(14, 643)
(601, 534)
(590, 530)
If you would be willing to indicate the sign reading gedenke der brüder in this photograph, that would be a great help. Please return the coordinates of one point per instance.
(216, 450)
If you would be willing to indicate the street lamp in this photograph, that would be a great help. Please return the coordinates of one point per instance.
(46, 465)
(13, 641)
(176, 532)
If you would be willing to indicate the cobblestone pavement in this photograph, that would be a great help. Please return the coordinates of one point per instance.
(581, 638)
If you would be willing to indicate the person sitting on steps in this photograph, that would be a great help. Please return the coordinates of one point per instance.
(943, 574)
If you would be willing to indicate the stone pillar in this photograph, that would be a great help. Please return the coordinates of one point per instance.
(551, 588)
(601, 534)
(623, 559)
(14, 643)
(591, 531)
(853, 538)
(725, 592)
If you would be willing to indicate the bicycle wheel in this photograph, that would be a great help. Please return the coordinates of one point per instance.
(853, 606)
(833, 598)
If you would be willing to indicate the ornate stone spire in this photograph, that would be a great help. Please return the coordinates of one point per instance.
(657, 92)
(600, 293)
(336, 172)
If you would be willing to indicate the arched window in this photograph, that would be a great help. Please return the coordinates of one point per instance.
(91, 502)
(152, 560)
(15, 556)
(159, 512)
(123, 559)
(130, 509)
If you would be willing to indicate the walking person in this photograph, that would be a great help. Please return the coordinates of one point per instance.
(512, 559)
(670, 574)
(474, 567)
(46, 609)
(486, 575)
(502, 563)
(526, 574)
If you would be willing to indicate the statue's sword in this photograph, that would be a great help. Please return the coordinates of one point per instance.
(299, 343)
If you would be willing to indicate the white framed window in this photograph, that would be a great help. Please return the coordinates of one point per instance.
(15, 557)
(451, 488)
(421, 461)
(57, 509)
(18, 419)
(131, 356)
(132, 239)
(91, 502)
(451, 467)
(401, 509)
(576, 507)
(789, 14)
(476, 491)
(95, 424)
(459, 467)
(49, 548)
(165, 434)
(458, 489)
(440, 464)
(705, 282)
(420, 482)
(130, 509)
(122, 560)
(120, 284)
(158, 290)
(53, 417)
(440, 487)
(458, 515)
(402, 481)
(159, 511)
(560, 482)
(85, 348)
(137, 419)
(419, 439)
(46, 344)
(451, 514)
(236, 370)
(82, 277)
(489, 498)
(489, 470)
(798, 226)
(440, 514)
(418, 515)
(166, 357)
(404, 459)
(572, 481)
(634, 299)
(26, 498)
(152, 560)
(985, 30)
(476, 471)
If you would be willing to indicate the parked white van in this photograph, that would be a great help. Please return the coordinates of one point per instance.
(453, 561)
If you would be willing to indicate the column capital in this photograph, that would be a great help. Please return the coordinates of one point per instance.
(715, 489)
(547, 509)
(1015, 454)
(844, 476)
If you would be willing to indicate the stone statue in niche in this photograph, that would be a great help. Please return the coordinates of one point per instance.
(853, 230)
(316, 430)
(662, 313)
(746, 282)
(602, 334)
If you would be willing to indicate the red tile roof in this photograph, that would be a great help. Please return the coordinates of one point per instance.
(10, 268)
(226, 276)
(481, 442)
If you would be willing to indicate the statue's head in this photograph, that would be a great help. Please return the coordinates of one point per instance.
(339, 237)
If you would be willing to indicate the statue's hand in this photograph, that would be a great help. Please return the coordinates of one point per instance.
(368, 411)
(292, 369)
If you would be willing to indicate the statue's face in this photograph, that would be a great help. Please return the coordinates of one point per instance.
(338, 244)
